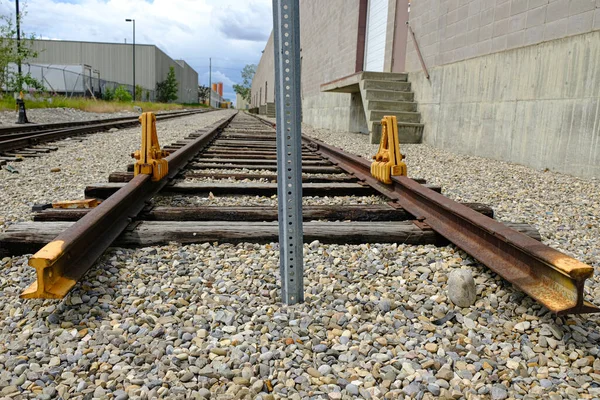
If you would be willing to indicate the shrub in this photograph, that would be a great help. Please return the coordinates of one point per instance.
(109, 94)
(121, 94)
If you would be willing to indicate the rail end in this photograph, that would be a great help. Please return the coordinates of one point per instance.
(50, 282)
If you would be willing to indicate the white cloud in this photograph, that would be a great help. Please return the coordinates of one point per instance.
(232, 32)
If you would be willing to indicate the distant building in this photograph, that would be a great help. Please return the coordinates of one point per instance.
(240, 103)
(113, 62)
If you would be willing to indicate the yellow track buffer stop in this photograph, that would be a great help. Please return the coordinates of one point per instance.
(388, 161)
(150, 157)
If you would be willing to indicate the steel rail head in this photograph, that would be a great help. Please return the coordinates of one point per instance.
(62, 262)
(554, 279)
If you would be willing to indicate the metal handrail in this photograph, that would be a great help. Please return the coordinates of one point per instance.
(418, 50)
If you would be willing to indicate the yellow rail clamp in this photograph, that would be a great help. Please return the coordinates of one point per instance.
(388, 160)
(86, 203)
(150, 156)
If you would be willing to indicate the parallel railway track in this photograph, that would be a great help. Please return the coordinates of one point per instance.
(27, 140)
(242, 148)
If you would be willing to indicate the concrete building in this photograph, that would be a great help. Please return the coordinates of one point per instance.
(515, 80)
(114, 62)
(241, 103)
(216, 99)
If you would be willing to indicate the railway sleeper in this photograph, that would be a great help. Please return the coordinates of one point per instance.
(27, 237)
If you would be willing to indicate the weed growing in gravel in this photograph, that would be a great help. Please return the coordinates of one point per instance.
(98, 106)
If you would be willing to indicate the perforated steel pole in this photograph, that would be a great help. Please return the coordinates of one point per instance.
(286, 28)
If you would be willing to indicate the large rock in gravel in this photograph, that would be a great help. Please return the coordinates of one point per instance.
(461, 288)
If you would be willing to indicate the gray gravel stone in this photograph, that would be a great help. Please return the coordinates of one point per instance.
(461, 288)
(499, 392)
(352, 389)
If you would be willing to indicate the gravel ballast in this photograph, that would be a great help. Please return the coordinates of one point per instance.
(81, 161)
(205, 321)
(54, 115)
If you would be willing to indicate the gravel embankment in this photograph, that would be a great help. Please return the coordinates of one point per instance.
(53, 115)
(205, 321)
(81, 162)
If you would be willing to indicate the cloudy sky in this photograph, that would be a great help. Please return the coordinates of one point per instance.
(232, 32)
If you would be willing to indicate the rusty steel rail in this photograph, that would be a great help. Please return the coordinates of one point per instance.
(62, 262)
(552, 278)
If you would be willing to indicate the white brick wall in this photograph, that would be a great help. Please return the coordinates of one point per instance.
(454, 30)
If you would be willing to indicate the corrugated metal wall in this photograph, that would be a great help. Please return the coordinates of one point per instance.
(189, 80)
(115, 63)
(113, 60)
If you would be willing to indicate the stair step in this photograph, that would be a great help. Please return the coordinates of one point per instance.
(391, 95)
(377, 115)
(392, 105)
(385, 76)
(386, 85)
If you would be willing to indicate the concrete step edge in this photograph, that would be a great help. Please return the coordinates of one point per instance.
(395, 112)
(389, 91)
(405, 124)
(385, 81)
(393, 101)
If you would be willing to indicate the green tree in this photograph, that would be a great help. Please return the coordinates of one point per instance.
(11, 55)
(203, 93)
(243, 89)
(166, 91)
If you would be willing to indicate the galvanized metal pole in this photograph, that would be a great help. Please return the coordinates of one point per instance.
(134, 60)
(210, 82)
(286, 28)
(20, 81)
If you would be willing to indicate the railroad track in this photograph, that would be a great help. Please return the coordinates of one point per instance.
(237, 157)
(33, 140)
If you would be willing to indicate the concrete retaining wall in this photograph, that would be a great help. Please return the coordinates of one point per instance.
(537, 105)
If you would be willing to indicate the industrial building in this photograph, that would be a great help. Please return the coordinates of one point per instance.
(514, 80)
(113, 62)
(241, 103)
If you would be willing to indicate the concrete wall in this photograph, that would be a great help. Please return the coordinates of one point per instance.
(328, 32)
(514, 80)
(537, 105)
(264, 78)
(240, 103)
(454, 30)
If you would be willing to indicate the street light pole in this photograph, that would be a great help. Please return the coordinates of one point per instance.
(18, 45)
(133, 20)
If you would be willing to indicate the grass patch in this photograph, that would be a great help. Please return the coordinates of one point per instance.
(90, 105)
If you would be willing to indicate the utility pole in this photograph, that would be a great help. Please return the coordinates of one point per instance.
(210, 82)
(133, 20)
(18, 46)
(286, 28)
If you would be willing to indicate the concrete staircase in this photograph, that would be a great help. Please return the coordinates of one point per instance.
(386, 93)
(270, 111)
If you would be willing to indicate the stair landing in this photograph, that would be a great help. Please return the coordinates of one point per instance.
(383, 93)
